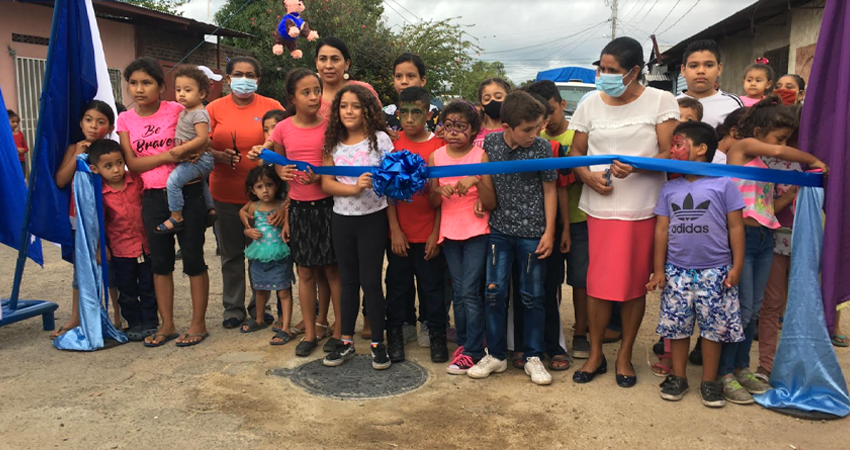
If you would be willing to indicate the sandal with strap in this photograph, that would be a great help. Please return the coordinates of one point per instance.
(840, 340)
(283, 336)
(327, 333)
(163, 228)
(252, 326)
(661, 370)
(559, 358)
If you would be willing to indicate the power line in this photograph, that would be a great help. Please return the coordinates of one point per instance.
(665, 17)
(647, 13)
(409, 11)
(396, 11)
(680, 18)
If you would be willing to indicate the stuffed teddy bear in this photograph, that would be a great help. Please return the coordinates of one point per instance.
(290, 27)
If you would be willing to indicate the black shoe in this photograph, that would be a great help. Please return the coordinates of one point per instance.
(395, 342)
(380, 358)
(305, 348)
(627, 381)
(342, 353)
(331, 344)
(658, 348)
(268, 318)
(673, 388)
(712, 394)
(696, 355)
(587, 377)
(439, 348)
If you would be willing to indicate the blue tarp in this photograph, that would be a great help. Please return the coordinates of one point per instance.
(565, 74)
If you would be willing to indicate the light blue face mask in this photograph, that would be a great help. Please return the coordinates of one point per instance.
(243, 87)
(612, 84)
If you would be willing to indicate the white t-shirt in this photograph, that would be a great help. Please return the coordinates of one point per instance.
(716, 107)
(359, 154)
(627, 130)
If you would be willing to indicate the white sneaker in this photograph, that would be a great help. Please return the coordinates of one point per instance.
(538, 373)
(423, 340)
(486, 366)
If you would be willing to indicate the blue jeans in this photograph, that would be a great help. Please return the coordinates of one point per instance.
(465, 260)
(503, 252)
(758, 257)
(185, 173)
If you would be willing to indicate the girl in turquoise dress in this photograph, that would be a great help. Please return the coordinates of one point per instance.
(269, 256)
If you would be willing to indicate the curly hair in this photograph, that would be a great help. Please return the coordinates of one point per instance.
(373, 119)
(189, 71)
(260, 172)
(767, 115)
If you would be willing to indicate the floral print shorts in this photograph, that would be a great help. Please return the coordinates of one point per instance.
(699, 295)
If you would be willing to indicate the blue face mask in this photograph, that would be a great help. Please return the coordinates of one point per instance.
(243, 87)
(612, 84)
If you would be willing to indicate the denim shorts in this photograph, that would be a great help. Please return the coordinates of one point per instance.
(272, 276)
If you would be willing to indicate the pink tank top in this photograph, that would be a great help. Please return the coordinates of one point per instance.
(459, 221)
(758, 197)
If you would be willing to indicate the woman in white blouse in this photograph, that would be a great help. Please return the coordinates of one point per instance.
(622, 118)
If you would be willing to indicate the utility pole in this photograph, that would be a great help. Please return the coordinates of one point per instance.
(614, 19)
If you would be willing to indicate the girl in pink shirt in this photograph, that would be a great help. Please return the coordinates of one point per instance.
(464, 229)
(147, 137)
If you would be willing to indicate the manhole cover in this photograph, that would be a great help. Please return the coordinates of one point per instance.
(356, 378)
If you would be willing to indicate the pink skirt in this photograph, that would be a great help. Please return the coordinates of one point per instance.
(620, 258)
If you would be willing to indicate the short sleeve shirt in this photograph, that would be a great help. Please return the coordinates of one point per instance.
(186, 123)
(150, 136)
(574, 189)
(359, 154)
(416, 217)
(698, 237)
(122, 214)
(302, 144)
(519, 209)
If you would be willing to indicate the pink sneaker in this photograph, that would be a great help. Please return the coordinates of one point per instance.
(457, 353)
(460, 365)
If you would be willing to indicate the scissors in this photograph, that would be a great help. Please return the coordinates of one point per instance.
(608, 177)
(236, 151)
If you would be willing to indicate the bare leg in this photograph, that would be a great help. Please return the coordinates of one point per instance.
(679, 348)
(199, 286)
(164, 287)
(598, 315)
(307, 298)
(260, 299)
(710, 359)
(331, 274)
(285, 297)
(74, 321)
(324, 297)
(632, 313)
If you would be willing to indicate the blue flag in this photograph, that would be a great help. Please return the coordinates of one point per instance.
(14, 194)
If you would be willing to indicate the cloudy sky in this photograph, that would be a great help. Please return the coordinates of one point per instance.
(537, 35)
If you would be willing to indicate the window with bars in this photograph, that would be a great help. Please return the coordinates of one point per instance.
(778, 60)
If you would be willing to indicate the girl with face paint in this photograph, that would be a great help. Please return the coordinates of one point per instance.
(491, 93)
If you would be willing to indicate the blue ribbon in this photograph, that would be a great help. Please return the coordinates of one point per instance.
(535, 165)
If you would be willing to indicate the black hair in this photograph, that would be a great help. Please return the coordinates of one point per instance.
(701, 45)
(691, 103)
(12, 114)
(292, 79)
(465, 110)
(412, 58)
(628, 52)
(259, 172)
(102, 147)
(119, 107)
(801, 83)
(242, 59)
(101, 107)
(699, 133)
(413, 94)
(493, 80)
(520, 107)
(336, 43)
(546, 89)
(730, 123)
(196, 74)
(768, 71)
(147, 65)
(547, 107)
(767, 115)
(276, 114)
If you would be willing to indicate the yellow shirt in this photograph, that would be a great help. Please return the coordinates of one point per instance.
(574, 190)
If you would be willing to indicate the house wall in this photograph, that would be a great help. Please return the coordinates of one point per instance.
(35, 20)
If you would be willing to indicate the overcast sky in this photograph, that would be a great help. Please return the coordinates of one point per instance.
(548, 33)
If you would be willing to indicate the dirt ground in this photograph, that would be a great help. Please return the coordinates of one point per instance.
(220, 394)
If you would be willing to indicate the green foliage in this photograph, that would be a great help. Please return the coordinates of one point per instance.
(166, 6)
(466, 82)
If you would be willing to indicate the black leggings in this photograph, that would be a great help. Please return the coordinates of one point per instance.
(359, 247)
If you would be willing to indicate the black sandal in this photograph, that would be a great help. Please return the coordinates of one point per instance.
(163, 229)
(305, 348)
(283, 336)
(252, 327)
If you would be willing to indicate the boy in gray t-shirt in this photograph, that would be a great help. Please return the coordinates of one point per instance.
(191, 86)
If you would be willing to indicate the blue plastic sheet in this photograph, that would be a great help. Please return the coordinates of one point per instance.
(91, 276)
(806, 375)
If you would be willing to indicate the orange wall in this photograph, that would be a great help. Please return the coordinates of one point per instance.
(20, 18)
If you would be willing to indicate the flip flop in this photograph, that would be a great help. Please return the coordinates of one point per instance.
(518, 362)
(252, 327)
(189, 344)
(559, 358)
(176, 227)
(663, 369)
(167, 337)
(840, 340)
(283, 336)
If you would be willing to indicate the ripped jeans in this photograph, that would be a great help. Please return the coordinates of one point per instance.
(503, 252)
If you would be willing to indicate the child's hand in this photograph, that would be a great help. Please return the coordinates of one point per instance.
(393, 134)
(364, 182)
(478, 209)
(733, 278)
(310, 177)
(657, 280)
(820, 165)
(399, 243)
(544, 247)
(286, 173)
(285, 233)
(566, 241)
(277, 218)
(463, 186)
(255, 152)
(440, 132)
(81, 147)
(253, 233)
(432, 249)
(446, 190)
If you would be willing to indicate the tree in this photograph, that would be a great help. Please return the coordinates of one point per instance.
(527, 82)
(166, 6)
(465, 83)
